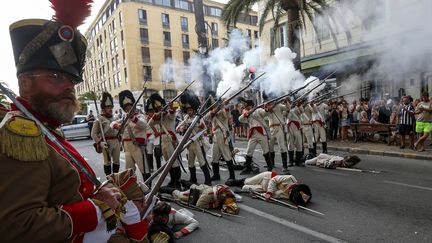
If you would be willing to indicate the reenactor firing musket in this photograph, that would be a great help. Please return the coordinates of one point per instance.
(258, 195)
(131, 111)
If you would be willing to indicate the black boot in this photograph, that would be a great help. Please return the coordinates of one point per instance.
(177, 177)
(193, 178)
(239, 183)
(158, 156)
(172, 178)
(206, 172)
(284, 156)
(267, 158)
(324, 147)
(115, 168)
(311, 151)
(272, 159)
(216, 175)
(150, 161)
(314, 149)
(107, 169)
(248, 166)
(298, 159)
(291, 158)
(230, 166)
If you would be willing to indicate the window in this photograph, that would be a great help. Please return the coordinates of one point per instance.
(163, 2)
(122, 37)
(165, 21)
(181, 4)
(142, 16)
(124, 56)
(147, 70)
(167, 38)
(169, 94)
(113, 63)
(184, 23)
(113, 26)
(117, 62)
(256, 34)
(144, 36)
(145, 52)
(215, 43)
(186, 57)
(214, 29)
(125, 74)
(167, 54)
(185, 41)
(215, 12)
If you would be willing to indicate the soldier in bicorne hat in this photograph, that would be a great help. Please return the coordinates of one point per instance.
(110, 148)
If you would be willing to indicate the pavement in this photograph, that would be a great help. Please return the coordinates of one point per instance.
(374, 148)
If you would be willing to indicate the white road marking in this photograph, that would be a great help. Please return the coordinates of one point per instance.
(408, 185)
(291, 225)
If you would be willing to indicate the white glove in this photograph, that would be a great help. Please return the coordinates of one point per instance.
(104, 145)
(132, 215)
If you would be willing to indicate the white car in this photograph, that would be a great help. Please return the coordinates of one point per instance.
(79, 127)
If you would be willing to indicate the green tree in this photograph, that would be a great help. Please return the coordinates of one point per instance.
(297, 12)
(3, 98)
(83, 98)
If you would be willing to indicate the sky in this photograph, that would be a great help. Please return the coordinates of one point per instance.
(28, 9)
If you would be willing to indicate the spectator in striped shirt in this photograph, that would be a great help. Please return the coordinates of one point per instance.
(406, 121)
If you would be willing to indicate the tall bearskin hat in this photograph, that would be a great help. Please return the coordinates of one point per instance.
(189, 100)
(107, 100)
(300, 194)
(155, 102)
(126, 98)
(52, 44)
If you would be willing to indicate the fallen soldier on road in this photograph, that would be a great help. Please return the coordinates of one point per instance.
(332, 161)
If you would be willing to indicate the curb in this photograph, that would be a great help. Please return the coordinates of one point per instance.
(381, 153)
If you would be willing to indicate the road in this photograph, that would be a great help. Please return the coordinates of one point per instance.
(392, 206)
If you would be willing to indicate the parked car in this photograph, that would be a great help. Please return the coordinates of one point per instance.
(79, 127)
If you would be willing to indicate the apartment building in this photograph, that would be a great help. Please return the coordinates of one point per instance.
(131, 39)
(371, 55)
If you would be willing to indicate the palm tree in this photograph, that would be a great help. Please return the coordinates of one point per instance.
(3, 98)
(297, 12)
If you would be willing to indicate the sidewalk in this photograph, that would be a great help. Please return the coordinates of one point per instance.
(373, 148)
(377, 148)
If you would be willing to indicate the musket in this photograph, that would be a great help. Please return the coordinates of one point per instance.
(324, 95)
(53, 139)
(191, 206)
(123, 124)
(358, 170)
(177, 96)
(350, 93)
(309, 91)
(216, 102)
(100, 127)
(174, 155)
(258, 195)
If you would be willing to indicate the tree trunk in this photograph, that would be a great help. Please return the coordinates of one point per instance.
(293, 34)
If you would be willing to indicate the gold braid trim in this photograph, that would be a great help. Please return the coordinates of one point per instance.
(107, 214)
(23, 148)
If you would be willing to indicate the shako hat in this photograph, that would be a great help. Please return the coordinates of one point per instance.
(126, 98)
(107, 100)
(300, 194)
(189, 100)
(52, 44)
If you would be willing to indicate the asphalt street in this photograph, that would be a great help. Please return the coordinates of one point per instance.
(390, 206)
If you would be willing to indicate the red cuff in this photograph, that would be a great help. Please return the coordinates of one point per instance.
(269, 193)
(135, 119)
(83, 216)
(172, 111)
(137, 231)
(273, 174)
(184, 231)
(201, 126)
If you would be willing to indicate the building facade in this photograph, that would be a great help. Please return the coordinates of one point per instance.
(131, 39)
(377, 59)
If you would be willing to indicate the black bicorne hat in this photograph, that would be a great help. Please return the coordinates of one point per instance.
(52, 44)
(126, 98)
(300, 194)
(107, 100)
(155, 102)
(189, 100)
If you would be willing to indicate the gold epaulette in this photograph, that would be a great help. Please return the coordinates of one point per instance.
(21, 139)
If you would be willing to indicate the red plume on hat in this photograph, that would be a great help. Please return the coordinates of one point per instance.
(71, 12)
